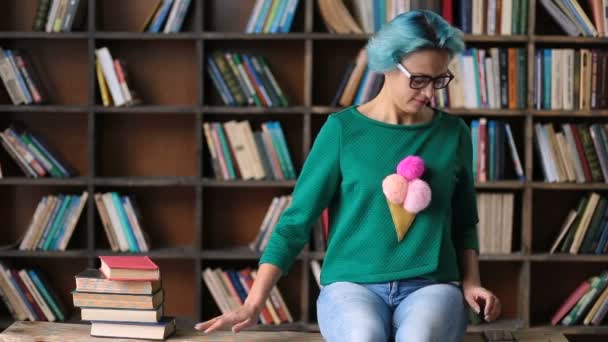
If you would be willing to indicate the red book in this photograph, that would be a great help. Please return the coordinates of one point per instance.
(325, 218)
(129, 268)
(574, 297)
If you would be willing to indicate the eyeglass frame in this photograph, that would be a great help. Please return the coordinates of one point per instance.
(431, 79)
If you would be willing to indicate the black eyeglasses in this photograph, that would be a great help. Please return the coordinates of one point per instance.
(421, 81)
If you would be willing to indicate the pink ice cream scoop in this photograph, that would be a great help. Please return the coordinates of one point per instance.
(411, 167)
(418, 196)
(395, 188)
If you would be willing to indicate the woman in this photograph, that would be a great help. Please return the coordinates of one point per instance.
(376, 285)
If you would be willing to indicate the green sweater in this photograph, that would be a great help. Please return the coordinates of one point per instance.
(350, 157)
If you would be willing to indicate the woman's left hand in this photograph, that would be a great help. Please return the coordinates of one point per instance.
(475, 295)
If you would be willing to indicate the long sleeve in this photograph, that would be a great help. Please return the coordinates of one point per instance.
(315, 187)
(464, 202)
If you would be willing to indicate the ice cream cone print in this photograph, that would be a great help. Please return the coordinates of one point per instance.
(401, 218)
(406, 194)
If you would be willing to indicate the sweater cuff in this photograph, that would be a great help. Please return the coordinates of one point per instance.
(278, 253)
(468, 240)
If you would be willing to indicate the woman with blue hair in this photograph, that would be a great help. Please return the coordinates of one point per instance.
(393, 268)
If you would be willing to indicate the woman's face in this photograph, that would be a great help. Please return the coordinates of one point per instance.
(432, 63)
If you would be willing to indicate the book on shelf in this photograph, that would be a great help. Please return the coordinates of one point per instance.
(121, 220)
(270, 16)
(492, 17)
(358, 83)
(59, 15)
(229, 289)
(53, 222)
(315, 268)
(28, 295)
(20, 78)
(238, 152)
(495, 228)
(32, 153)
(587, 304)
(570, 79)
(123, 298)
(494, 78)
(244, 79)
(490, 140)
(584, 230)
(114, 84)
(167, 16)
(578, 153)
(576, 18)
(274, 212)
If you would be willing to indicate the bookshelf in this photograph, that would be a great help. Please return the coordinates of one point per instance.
(156, 153)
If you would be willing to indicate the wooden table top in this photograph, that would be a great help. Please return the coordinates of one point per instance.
(26, 331)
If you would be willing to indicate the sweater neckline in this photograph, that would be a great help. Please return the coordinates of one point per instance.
(436, 118)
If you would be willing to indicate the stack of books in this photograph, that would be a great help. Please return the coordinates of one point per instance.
(123, 299)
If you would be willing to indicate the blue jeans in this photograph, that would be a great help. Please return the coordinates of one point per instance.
(407, 310)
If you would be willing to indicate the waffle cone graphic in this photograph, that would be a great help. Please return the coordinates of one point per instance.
(401, 218)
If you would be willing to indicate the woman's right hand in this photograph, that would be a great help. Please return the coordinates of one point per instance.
(246, 315)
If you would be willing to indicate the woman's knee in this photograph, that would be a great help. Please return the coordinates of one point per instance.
(350, 312)
(436, 313)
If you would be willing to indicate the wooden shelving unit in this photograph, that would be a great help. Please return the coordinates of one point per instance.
(155, 152)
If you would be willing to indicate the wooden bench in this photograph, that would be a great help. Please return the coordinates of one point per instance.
(25, 331)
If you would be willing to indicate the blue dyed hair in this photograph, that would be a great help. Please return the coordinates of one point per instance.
(409, 32)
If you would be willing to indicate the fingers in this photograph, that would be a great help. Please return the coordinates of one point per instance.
(238, 327)
(216, 325)
(207, 324)
(473, 304)
(492, 308)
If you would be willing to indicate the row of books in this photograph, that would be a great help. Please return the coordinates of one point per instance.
(586, 304)
(571, 79)
(370, 15)
(494, 17)
(490, 139)
(494, 78)
(20, 79)
(579, 153)
(124, 298)
(170, 13)
(495, 229)
(112, 75)
(238, 152)
(585, 228)
(28, 296)
(243, 79)
(276, 208)
(272, 16)
(229, 289)
(32, 154)
(121, 220)
(358, 83)
(53, 222)
(59, 15)
(575, 21)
